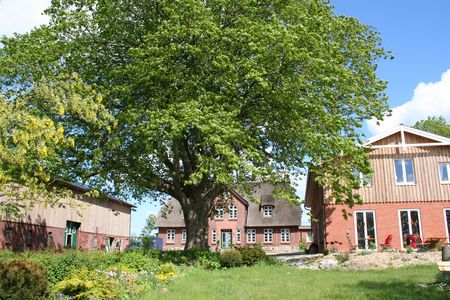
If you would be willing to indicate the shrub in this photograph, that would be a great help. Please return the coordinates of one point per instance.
(342, 257)
(166, 272)
(252, 254)
(302, 246)
(22, 280)
(207, 264)
(231, 258)
(185, 257)
(85, 284)
(137, 261)
(409, 249)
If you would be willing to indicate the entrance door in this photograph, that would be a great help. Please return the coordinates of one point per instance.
(226, 239)
(410, 225)
(70, 234)
(365, 230)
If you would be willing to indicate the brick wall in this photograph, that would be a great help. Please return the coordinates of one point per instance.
(387, 222)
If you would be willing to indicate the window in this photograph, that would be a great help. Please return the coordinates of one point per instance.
(171, 235)
(365, 230)
(213, 236)
(444, 172)
(232, 211)
(268, 210)
(447, 222)
(309, 237)
(251, 235)
(410, 226)
(268, 235)
(219, 213)
(238, 236)
(183, 236)
(285, 235)
(404, 171)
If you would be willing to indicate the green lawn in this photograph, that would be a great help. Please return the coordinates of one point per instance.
(284, 282)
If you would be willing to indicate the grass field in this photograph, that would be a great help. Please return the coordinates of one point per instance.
(284, 282)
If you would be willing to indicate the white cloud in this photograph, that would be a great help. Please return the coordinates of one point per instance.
(21, 15)
(429, 99)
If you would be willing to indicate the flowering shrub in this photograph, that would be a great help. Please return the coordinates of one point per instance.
(166, 273)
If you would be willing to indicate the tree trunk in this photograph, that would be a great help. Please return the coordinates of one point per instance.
(196, 218)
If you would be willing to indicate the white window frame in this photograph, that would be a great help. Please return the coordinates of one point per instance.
(232, 212)
(218, 213)
(445, 222)
(285, 235)
(365, 231)
(251, 235)
(268, 211)
(213, 236)
(238, 236)
(447, 165)
(268, 235)
(409, 210)
(183, 236)
(170, 236)
(405, 177)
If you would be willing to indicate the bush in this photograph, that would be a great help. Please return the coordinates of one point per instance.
(231, 258)
(137, 261)
(186, 257)
(252, 254)
(342, 257)
(166, 272)
(207, 264)
(85, 284)
(302, 246)
(22, 280)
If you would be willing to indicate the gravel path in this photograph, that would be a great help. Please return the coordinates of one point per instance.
(363, 260)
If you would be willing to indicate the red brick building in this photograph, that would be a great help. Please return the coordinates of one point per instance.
(81, 223)
(407, 197)
(274, 223)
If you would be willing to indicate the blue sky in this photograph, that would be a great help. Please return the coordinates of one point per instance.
(417, 32)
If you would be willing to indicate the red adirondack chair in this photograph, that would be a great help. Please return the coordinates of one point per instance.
(387, 243)
(412, 241)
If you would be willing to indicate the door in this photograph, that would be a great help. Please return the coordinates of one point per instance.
(410, 225)
(365, 230)
(71, 234)
(226, 241)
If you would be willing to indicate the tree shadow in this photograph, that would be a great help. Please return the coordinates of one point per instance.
(398, 290)
(20, 236)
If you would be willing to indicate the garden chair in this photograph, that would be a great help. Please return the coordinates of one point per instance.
(412, 241)
(387, 243)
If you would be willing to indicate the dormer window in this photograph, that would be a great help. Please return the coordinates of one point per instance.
(268, 211)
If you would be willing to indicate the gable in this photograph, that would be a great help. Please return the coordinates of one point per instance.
(404, 135)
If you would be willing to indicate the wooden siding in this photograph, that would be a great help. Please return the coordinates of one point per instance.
(427, 186)
(96, 216)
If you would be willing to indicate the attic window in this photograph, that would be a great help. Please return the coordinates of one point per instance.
(268, 211)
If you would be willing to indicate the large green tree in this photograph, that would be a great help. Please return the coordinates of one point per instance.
(206, 95)
(436, 125)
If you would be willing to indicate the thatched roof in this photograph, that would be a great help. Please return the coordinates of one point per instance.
(284, 214)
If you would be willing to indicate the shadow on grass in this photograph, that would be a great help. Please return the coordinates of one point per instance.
(399, 290)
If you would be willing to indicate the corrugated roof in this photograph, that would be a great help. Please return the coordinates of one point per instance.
(82, 188)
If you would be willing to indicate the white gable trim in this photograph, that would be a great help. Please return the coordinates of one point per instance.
(402, 128)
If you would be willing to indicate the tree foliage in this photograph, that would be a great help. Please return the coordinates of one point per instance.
(199, 97)
(436, 125)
